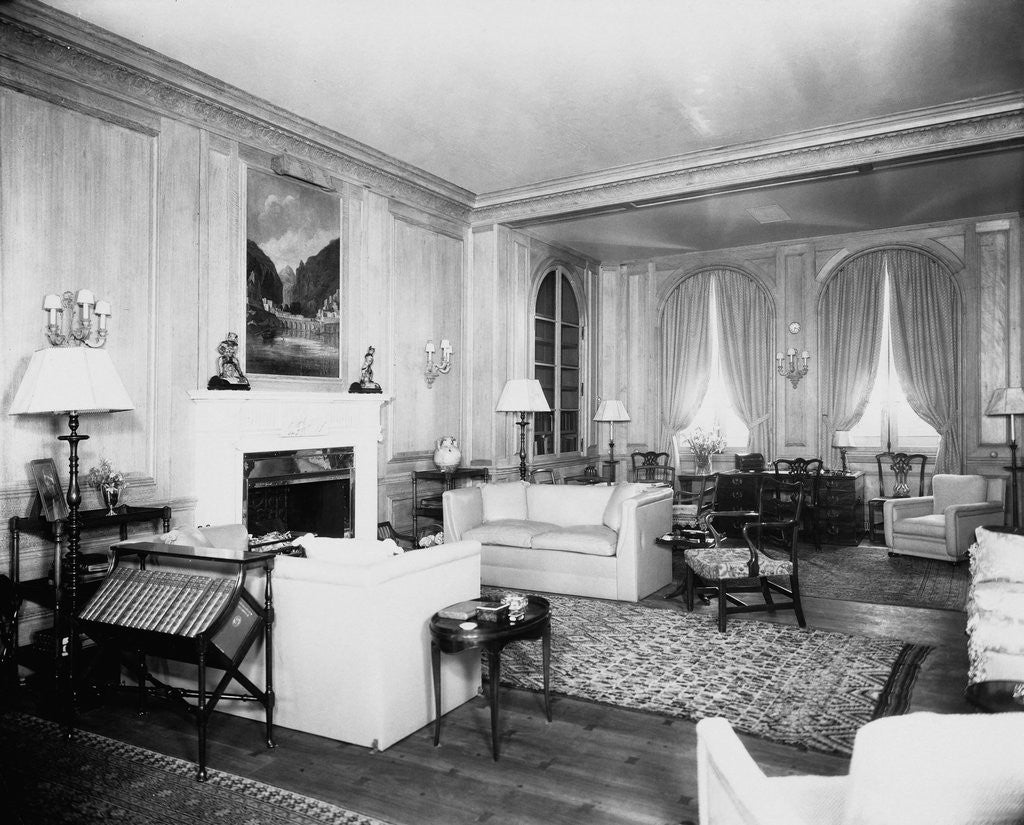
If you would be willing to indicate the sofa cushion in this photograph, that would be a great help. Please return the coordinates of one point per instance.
(931, 526)
(191, 536)
(950, 489)
(567, 504)
(508, 532)
(997, 557)
(612, 515)
(353, 552)
(504, 501)
(997, 599)
(992, 665)
(588, 539)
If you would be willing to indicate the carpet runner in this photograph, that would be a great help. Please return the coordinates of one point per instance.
(47, 781)
(808, 688)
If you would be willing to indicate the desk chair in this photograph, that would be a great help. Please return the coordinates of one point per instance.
(808, 472)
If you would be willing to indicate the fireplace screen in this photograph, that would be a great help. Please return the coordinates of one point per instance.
(304, 491)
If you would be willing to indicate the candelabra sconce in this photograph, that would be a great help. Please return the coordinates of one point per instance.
(436, 368)
(787, 365)
(70, 319)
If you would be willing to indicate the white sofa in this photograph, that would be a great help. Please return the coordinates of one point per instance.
(995, 609)
(596, 541)
(941, 526)
(351, 638)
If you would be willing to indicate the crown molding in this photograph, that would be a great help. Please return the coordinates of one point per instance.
(50, 44)
(843, 150)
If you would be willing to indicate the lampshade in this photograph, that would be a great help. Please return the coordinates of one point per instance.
(611, 410)
(70, 379)
(522, 395)
(1006, 401)
(842, 438)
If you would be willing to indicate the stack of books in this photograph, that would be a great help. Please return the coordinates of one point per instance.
(180, 604)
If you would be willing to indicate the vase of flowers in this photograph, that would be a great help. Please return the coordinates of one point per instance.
(111, 484)
(704, 444)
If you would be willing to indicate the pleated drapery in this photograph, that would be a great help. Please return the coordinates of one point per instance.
(746, 321)
(685, 355)
(925, 327)
(852, 313)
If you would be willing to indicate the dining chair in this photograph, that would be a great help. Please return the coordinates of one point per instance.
(808, 472)
(651, 467)
(543, 477)
(904, 467)
(770, 552)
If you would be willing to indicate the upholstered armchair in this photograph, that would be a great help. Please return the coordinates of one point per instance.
(941, 526)
(901, 771)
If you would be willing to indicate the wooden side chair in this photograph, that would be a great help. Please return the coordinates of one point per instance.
(808, 472)
(385, 530)
(904, 467)
(651, 467)
(770, 551)
(691, 506)
(543, 477)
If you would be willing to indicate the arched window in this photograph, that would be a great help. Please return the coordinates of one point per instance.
(557, 331)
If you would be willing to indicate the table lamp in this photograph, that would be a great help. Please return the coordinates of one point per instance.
(843, 439)
(611, 411)
(1009, 401)
(522, 395)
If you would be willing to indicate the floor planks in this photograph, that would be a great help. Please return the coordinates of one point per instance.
(592, 764)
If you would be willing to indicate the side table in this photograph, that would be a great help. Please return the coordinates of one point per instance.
(453, 636)
(998, 696)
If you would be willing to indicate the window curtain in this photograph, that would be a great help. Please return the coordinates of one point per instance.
(925, 323)
(746, 320)
(852, 313)
(685, 355)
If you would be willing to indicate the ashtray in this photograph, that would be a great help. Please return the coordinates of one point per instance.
(492, 613)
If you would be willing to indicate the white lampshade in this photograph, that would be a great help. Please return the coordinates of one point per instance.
(611, 410)
(70, 379)
(842, 438)
(522, 395)
(1006, 401)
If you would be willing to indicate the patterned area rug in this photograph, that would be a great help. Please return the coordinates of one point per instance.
(809, 688)
(868, 574)
(93, 779)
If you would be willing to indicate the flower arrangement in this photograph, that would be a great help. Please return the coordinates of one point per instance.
(704, 444)
(105, 477)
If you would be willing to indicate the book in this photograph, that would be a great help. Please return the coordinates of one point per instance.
(196, 591)
(461, 611)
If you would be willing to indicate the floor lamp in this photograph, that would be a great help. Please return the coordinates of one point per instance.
(522, 395)
(71, 380)
(1009, 401)
(611, 411)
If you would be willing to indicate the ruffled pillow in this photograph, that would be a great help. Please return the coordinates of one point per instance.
(997, 557)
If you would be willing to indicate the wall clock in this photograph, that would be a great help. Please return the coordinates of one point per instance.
(794, 327)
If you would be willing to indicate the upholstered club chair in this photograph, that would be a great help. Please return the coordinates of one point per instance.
(901, 772)
(941, 526)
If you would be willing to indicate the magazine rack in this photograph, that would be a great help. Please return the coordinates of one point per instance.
(209, 621)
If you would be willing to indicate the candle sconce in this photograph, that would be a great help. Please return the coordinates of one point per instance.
(65, 326)
(787, 366)
(441, 367)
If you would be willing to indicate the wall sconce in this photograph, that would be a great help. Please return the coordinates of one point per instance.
(787, 366)
(436, 368)
(65, 326)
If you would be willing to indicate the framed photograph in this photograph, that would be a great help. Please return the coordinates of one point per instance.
(51, 494)
(293, 278)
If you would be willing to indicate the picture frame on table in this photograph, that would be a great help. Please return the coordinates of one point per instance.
(51, 494)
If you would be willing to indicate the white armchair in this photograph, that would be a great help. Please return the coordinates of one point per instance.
(901, 771)
(941, 526)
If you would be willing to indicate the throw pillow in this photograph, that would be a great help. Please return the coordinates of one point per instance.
(504, 500)
(613, 510)
(997, 557)
(189, 536)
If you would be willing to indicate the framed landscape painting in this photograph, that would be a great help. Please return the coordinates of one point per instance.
(293, 278)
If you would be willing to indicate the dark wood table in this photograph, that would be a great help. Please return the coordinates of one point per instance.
(997, 696)
(450, 636)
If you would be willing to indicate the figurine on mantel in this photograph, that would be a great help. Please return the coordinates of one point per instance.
(229, 371)
(366, 382)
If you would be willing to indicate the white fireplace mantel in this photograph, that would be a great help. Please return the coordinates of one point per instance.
(227, 424)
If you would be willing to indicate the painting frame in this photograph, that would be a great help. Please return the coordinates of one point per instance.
(293, 287)
(52, 498)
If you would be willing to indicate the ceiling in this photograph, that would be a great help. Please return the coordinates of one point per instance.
(504, 97)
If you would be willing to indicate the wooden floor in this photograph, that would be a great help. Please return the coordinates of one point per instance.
(592, 764)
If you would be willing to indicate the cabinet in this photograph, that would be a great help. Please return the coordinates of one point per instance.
(428, 485)
(56, 592)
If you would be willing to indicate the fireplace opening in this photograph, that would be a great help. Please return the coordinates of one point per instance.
(301, 491)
